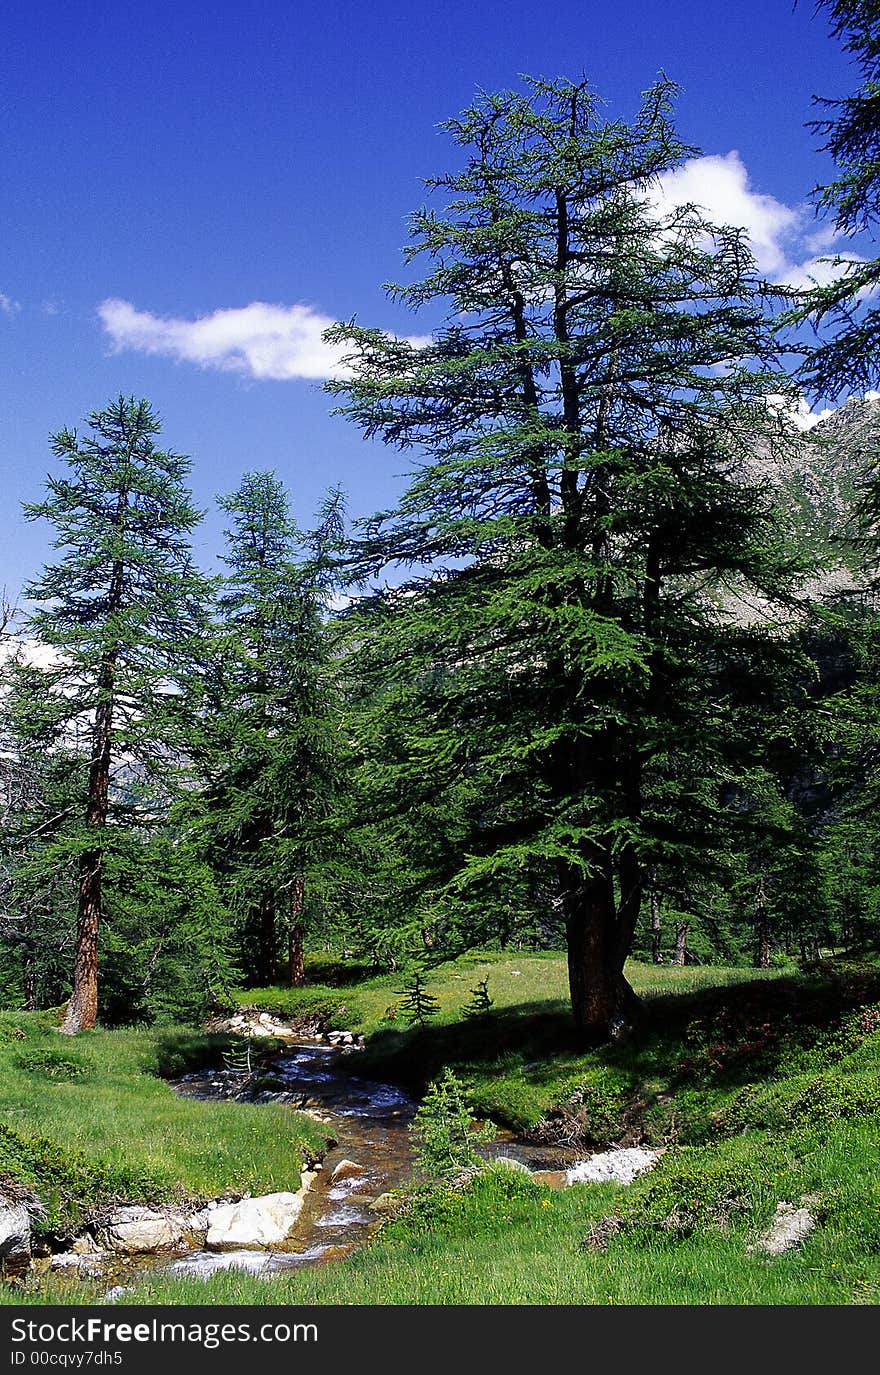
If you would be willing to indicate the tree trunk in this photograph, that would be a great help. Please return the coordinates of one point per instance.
(656, 928)
(82, 1009)
(603, 1003)
(296, 931)
(762, 924)
(681, 942)
(266, 952)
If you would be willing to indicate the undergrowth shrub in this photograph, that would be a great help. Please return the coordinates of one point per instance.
(443, 1130)
(69, 1184)
(691, 1191)
(820, 1100)
(593, 1113)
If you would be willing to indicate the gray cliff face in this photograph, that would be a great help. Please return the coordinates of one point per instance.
(816, 478)
(835, 459)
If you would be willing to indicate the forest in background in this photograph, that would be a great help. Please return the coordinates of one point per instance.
(603, 681)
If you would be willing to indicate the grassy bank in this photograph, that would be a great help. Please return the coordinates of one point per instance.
(521, 1057)
(90, 1120)
(766, 1091)
(763, 1090)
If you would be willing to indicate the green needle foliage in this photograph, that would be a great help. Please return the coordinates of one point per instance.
(265, 731)
(443, 1129)
(544, 679)
(480, 1002)
(846, 360)
(416, 1003)
(120, 609)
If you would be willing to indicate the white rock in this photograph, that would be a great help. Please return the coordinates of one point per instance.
(195, 1225)
(507, 1162)
(134, 1230)
(89, 1265)
(254, 1223)
(15, 1234)
(620, 1166)
(789, 1227)
(346, 1169)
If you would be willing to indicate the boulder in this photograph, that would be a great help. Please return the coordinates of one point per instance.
(385, 1203)
(135, 1231)
(346, 1169)
(195, 1227)
(507, 1162)
(551, 1179)
(254, 1223)
(789, 1227)
(15, 1234)
(89, 1266)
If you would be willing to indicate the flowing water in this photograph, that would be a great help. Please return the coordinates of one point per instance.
(368, 1123)
(365, 1121)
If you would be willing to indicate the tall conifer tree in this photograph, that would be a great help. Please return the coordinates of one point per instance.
(584, 417)
(267, 732)
(119, 608)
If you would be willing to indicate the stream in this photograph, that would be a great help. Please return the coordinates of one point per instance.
(366, 1122)
(369, 1123)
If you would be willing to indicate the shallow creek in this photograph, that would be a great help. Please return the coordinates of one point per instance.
(368, 1121)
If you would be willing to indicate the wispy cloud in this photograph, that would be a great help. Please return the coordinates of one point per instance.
(8, 306)
(259, 340)
(285, 342)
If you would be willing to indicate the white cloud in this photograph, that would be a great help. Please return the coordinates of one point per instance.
(788, 245)
(720, 186)
(822, 271)
(797, 413)
(8, 306)
(260, 340)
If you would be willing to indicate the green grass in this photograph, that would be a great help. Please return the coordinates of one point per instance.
(507, 1240)
(764, 1089)
(89, 1120)
(352, 997)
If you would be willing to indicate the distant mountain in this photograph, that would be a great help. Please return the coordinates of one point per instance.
(824, 482)
(817, 475)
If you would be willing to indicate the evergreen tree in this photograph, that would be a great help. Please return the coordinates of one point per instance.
(480, 1003)
(119, 608)
(846, 360)
(266, 737)
(417, 1003)
(41, 786)
(585, 435)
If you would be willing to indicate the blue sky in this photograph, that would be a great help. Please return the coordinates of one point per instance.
(251, 167)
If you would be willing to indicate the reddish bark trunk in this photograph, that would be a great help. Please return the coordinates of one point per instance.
(603, 1003)
(82, 1008)
(266, 948)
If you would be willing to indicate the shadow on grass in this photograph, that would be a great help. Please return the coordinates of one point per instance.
(724, 1036)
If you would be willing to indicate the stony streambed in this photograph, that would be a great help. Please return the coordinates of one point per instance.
(368, 1123)
(344, 1195)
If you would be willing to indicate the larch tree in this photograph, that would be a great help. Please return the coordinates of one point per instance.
(120, 609)
(265, 737)
(582, 424)
(845, 307)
